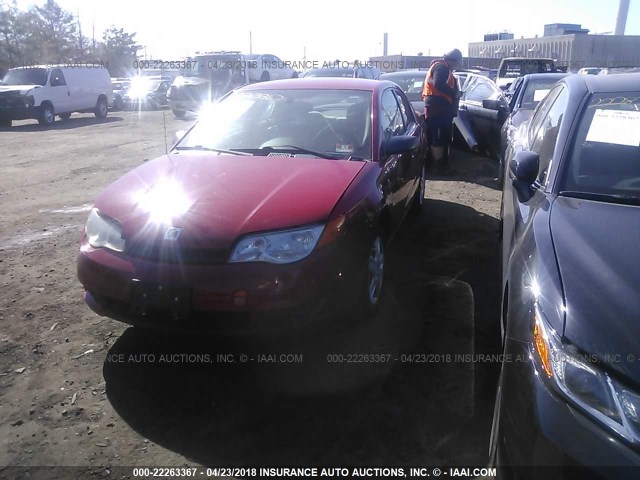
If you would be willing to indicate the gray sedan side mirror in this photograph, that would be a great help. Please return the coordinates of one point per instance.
(524, 167)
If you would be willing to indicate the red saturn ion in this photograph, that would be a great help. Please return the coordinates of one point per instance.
(282, 194)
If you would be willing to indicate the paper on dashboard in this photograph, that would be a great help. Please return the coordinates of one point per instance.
(620, 127)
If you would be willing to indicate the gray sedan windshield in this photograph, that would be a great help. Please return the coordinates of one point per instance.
(606, 154)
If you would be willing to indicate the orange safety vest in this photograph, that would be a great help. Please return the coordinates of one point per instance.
(429, 88)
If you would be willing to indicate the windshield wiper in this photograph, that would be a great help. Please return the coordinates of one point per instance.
(219, 150)
(604, 197)
(326, 156)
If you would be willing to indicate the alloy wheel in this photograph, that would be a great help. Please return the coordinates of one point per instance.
(376, 271)
(48, 115)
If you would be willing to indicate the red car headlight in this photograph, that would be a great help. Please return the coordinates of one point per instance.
(104, 232)
(285, 246)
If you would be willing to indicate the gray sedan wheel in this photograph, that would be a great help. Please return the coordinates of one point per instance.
(418, 199)
(375, 273)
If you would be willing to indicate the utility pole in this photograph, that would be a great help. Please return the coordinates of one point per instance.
(80, 46)
(250, 44)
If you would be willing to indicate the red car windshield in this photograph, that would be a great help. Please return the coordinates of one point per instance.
(335, 122)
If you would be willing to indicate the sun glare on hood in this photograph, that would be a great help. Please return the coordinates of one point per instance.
(164, 201)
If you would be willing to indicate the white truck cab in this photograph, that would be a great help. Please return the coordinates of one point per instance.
(42, 92)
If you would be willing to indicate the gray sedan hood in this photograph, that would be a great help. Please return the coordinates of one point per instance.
(598, 250)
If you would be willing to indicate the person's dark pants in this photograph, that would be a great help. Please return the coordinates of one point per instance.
(439, 139)
(439, 130)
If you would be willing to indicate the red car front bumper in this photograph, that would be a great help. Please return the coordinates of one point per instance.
(139, 291)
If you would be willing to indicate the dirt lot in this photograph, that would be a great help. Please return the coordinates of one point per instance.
(77, 389)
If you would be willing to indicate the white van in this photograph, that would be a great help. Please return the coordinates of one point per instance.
(42, 92)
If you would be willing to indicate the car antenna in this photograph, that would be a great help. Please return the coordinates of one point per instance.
(164, 124)
(164, 118)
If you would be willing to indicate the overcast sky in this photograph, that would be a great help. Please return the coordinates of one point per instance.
(335, 29)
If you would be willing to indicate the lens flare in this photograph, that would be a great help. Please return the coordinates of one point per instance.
(164, 201)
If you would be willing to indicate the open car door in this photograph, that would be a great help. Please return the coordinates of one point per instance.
(482, 111)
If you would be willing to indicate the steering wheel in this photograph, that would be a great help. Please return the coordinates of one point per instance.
(327, 127)
(278, 142)
(269, 125)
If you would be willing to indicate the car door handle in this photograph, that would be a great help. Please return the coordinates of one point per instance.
(68, 94)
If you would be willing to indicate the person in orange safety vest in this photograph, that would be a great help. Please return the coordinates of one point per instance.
(441, 95)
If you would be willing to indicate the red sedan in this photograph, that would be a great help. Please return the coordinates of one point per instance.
(284, 193)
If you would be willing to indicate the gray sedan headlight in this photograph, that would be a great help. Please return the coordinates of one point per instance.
(104, 232)
(584, 383)
(285, 246)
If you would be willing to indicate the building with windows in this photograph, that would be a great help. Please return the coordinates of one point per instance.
(393, 63)
(488, 37)
(570, 45)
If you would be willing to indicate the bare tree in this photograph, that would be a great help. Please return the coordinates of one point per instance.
(50, 34)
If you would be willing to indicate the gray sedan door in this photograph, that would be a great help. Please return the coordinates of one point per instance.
(486, 110)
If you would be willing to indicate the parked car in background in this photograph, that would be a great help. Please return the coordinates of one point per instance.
(262, 68)
(328, 72)
(218, 223)
(166, 73)
(411, 82)
(482, 111)
(120, 87)
(618, 70)
(45, 92)
(490, 73)
(514, 67)
(209, 77)
(589, 71)
(569, 395)
(147, 93)
(473, 70)
(353, 72)
(524, 96)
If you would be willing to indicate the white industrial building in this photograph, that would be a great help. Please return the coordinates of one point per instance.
(570, 45)
(574, 50)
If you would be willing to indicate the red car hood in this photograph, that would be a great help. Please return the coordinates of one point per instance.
(215, 198)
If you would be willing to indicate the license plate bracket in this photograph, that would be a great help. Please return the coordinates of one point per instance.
(145, 295)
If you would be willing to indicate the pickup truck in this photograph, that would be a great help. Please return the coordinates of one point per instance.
(514, 67)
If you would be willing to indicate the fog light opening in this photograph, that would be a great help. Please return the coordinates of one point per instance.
(240, 298)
